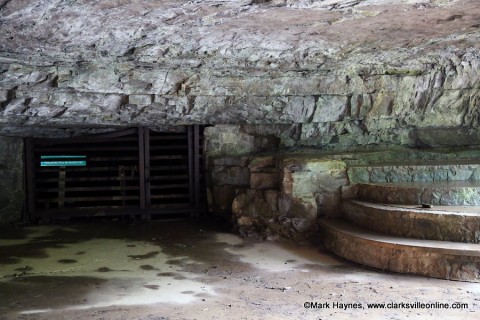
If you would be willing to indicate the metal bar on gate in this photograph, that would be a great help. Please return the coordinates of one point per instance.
(196, 161)
(141, 165)
(148, 191)
(62, 172)
(191, 168)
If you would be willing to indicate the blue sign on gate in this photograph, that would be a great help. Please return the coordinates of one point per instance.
(63, 161)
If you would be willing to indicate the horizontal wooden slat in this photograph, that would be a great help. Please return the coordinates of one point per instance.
(88, 199)
(168, 137)
(74, 179)
(172, 206)
(172, 167)
(169, 186)
(175, 147)
(87, 169)
(90, 149)
(169, 157)
(80, 189)
(169, 196)
(112, 211)
(93, 138)
(77, 143)
(169, 177)
(99, 159)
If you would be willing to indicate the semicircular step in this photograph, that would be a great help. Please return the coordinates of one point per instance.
(446, 193)
(436, 259)
(446, 223)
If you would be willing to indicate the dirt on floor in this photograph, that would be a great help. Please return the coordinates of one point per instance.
(189, 270)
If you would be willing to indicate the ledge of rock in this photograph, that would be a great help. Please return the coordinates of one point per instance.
(353, 72)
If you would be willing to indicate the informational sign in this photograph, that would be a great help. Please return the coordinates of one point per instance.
(63, 161)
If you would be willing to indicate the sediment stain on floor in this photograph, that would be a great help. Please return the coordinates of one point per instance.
(185, 270)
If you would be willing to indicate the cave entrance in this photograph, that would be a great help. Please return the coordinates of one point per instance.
(137, 172)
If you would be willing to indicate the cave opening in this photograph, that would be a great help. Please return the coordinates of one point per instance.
(137, 173)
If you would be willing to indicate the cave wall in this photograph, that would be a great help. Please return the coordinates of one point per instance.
(271, 196)
(421, 101)
(348, 76)
(269, 190)
(398, 99)
(11, 180)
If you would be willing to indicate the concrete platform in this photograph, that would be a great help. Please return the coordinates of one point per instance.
(437, 259)
(458, 224)
(447, 193)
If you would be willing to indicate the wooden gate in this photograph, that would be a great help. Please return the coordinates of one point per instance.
(136, 172)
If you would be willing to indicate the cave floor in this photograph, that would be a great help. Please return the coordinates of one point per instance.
(187, 270)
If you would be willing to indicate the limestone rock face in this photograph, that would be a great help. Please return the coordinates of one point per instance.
(342, 72)
(286, 195)
(11, 180)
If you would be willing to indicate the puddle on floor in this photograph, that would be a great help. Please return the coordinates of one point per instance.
(109, 268)
(129, 272)
(184, 271)
(281, 257)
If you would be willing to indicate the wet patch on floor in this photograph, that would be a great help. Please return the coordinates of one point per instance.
(144, 256)
(14, 233)
(276, 257)
(152, 286)
(166, 274)
(24, 269)
(147, 267)
(188, 292)
(187, 271)
(44, 292)
(14, 253)
(67, 261)
(98, 253)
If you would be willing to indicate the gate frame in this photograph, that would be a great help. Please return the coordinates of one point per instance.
(194, 208)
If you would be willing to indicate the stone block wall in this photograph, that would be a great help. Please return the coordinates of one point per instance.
(276, 195)
(11, 180)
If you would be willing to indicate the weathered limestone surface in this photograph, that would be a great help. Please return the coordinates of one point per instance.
(270, 192)
(444, 193)
(285, 196)
(347, 73)
(415, 173)
(269, 75)
(11, 180)
(437, 259)
(432, 224)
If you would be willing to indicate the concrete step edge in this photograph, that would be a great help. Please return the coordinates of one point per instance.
(435, 210)
(379, 239)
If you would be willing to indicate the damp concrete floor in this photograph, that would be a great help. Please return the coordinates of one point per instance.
(188, 270)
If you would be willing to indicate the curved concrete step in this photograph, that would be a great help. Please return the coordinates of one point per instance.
(436, 259)
(446, 193)
(458, 224)
(385, 173)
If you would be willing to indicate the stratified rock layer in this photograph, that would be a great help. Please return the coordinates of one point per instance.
(11, 180)
(343, 73)
(272, 196)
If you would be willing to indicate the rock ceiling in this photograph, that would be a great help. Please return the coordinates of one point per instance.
(370, 65)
